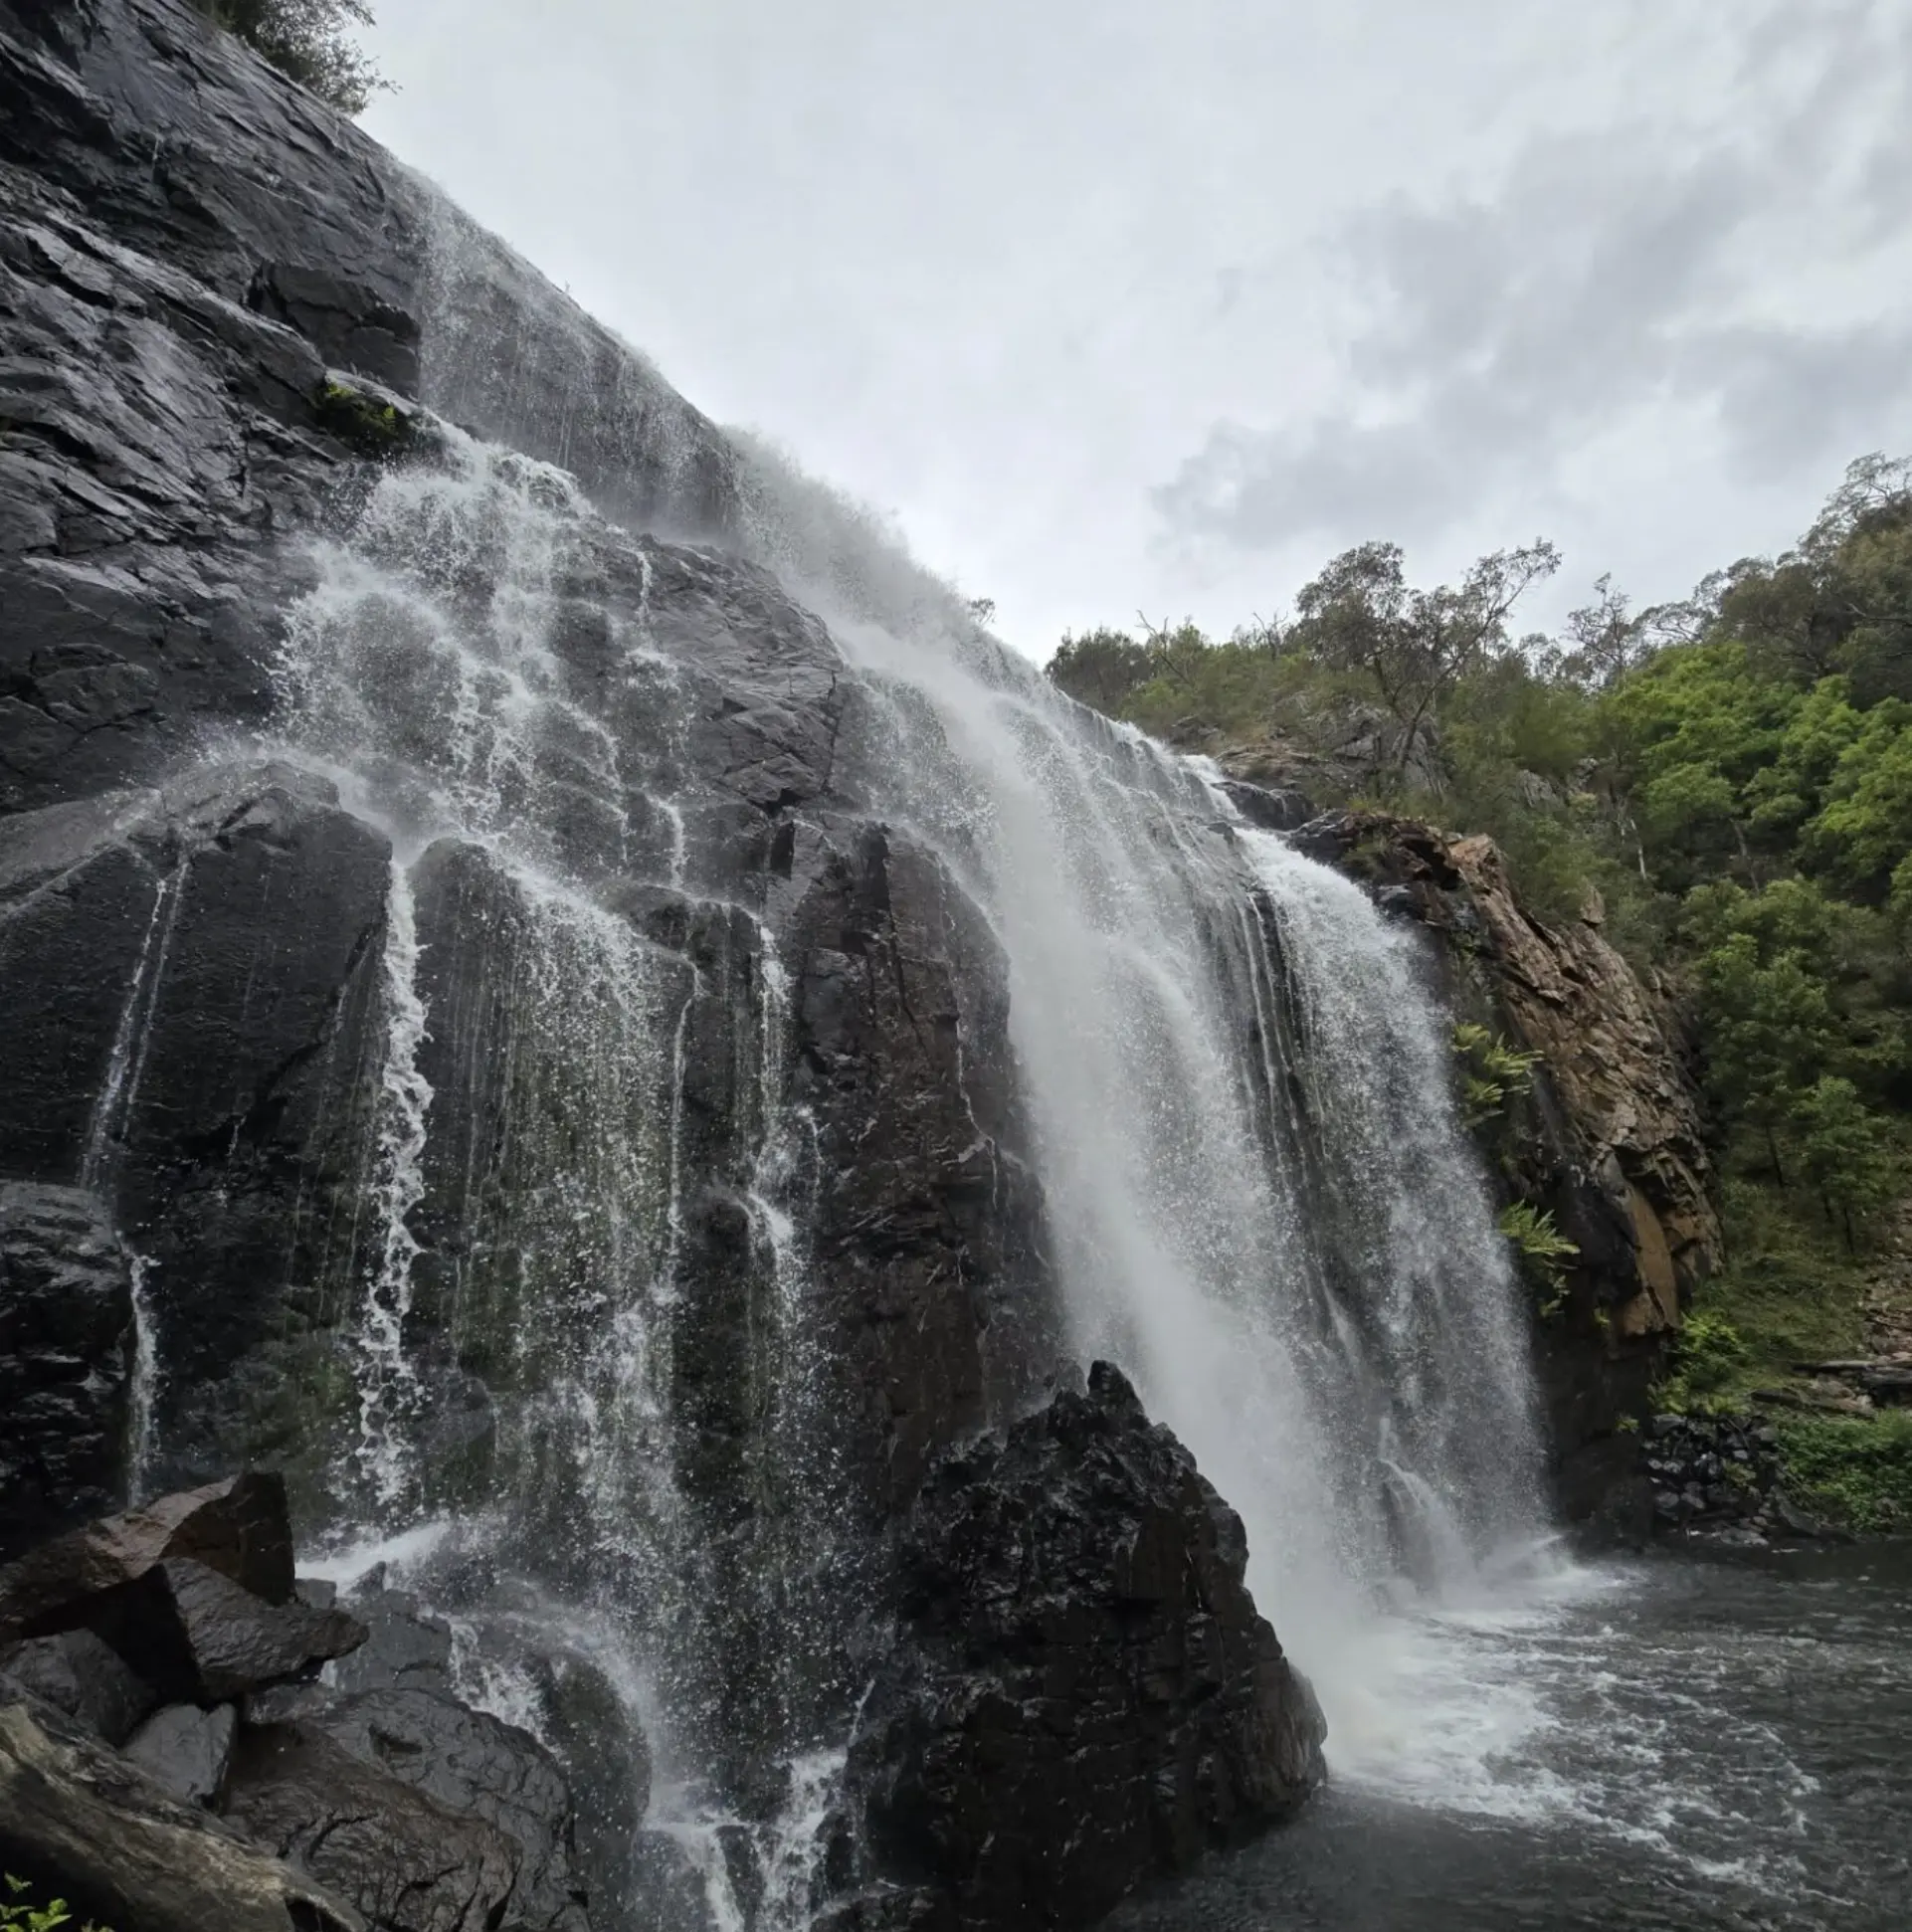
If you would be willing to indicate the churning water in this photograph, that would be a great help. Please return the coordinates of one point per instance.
(1711, 1746)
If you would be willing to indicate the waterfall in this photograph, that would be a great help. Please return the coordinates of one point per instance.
(1261, 1199)
(388, 1383)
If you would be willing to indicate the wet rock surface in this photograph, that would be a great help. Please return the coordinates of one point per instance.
(80, 1675)
(401, 1802)
(237, 1529)
(66, 1359)
(1090, 1697)
(187, 1749)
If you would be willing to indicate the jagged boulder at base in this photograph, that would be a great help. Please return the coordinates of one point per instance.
(1086, 1697)
(124, 1851)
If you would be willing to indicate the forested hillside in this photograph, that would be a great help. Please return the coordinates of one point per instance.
(1732, 775)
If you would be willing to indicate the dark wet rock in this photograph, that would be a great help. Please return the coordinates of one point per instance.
(406, 1648)
(193, 1633)
(191, 973)
(66, 1355)
(607, 1764)
(187, 1749)
(407, 1863)
(81, 1676)
(928, 1223)
(1086, 1697)
(237, 1529)
(86, 1821)
(1271, 808)
(470, 1764)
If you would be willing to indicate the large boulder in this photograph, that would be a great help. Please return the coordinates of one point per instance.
(80, 1675)
(410, 1863)
(472, 1765)
(66, 1357)
(1085, 1695)
(187, 1749)
(86, 1821)
(194, 1593)
(238, 1528)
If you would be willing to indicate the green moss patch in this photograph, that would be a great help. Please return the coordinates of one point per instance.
(365, 425)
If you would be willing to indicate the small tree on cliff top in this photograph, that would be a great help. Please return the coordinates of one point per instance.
(309, 40)
(1362, 615)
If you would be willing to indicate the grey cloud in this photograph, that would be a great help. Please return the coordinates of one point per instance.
(1610, 275)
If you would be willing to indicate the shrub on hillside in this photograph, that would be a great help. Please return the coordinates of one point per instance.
(309, 40)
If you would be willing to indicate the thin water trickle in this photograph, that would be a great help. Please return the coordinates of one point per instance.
(128, 1060)
(387, 1381)
(142, 1391)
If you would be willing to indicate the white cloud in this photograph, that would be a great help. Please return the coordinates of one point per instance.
(1633, 272)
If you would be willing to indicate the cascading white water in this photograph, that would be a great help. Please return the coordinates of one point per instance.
(1258, 1198)
(1261, 1199)
(528, 1191)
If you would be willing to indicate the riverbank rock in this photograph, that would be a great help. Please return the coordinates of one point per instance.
(89, 1825)
(1608, 1140)
(66, 1357)
(1088, 1695)
(425, 1815)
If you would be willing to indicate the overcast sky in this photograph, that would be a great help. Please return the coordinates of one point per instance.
(1122, 306)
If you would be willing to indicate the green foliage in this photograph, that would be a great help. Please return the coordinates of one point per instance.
(1846, 1153)
(19, 1912)
(361, 422)
(1362, 618)
(1707, 1360)
(1787, 1293)
(1723, 785)
(309, 40)
(1543, 1251)
(1855, 1469)
(1492, 1074)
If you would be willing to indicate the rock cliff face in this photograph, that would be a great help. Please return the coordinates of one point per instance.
(1610, 1141)
(452, 972)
